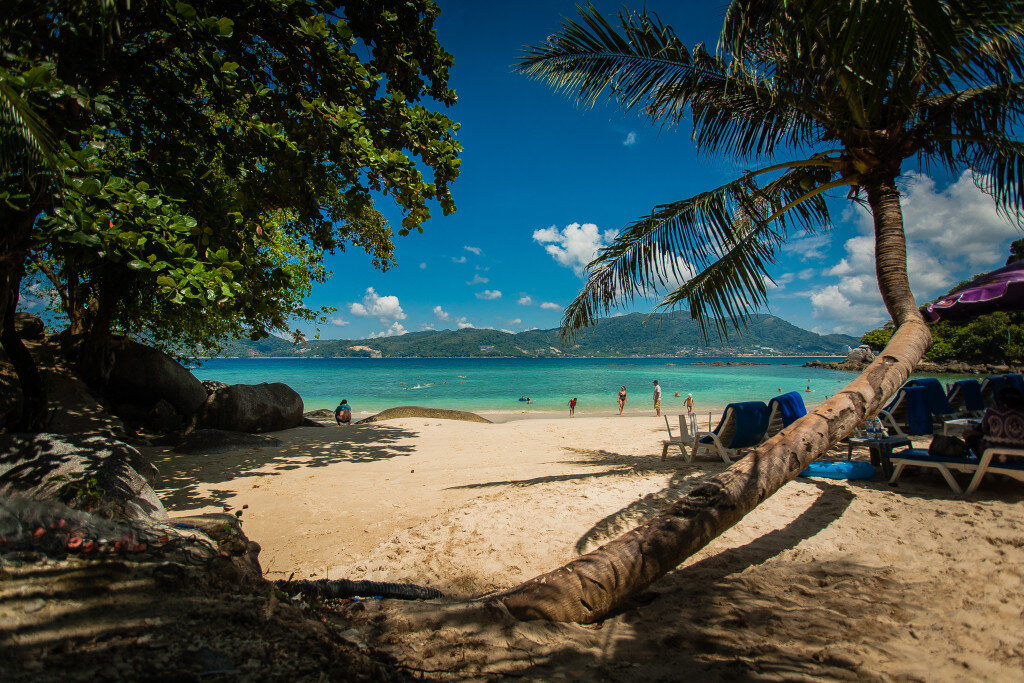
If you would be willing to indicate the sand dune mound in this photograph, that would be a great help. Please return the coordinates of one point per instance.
(419, 411)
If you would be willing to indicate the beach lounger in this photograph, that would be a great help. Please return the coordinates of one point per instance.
(919, 457)
(743, 425)
(990, 388)
(935, 398)
(908, 413)
(986, 466)
(965, 398)
(683, 441)
(783, 411)
(1016, 381)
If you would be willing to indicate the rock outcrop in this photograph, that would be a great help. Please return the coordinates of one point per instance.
(91, 472)
(28, 326)
(419, 411)
(251, 408)
(143, 375)
(220, 441)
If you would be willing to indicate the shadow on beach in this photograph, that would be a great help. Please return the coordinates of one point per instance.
(182, 477)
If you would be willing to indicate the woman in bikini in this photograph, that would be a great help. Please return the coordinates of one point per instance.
(622, 400)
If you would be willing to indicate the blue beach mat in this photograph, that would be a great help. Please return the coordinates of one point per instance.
(839, 469)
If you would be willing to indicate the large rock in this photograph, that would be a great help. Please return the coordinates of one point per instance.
(92, 472)
(420, 411)
(144, 375)
(220, 441)
(28, 326)
(861, 354)
(251, 408)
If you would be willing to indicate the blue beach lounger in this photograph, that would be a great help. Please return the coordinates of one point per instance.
(743, 425)
(965, 398)
(783, 411)
(990, 389)
(1015, 381)
(935, 397)
(908, 413)
(919, 457)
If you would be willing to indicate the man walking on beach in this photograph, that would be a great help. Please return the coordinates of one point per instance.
(689, 406)
(572, 406)
(657, 399)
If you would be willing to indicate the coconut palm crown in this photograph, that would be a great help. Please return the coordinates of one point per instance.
(827, 94)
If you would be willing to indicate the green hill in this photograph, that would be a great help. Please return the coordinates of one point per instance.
(672, 334)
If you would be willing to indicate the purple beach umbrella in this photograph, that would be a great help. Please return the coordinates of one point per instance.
(1000, 290)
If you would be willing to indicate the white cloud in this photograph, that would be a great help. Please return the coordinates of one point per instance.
(464, 323)
(630, 139)
(951, 235)
(396, 330)
(780, 281)
(474, 250)
(478, 280)
(550, 306)
(423, 266)
(489, 294)
(440, 313)
(576, 245)
(508, 331)
(340, 322)
(458, 259)
(525, 301)
(515, 321)
(806, 273)
(808, 248)
(384, 308)
(427, 326)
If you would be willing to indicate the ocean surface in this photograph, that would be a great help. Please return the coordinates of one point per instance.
(495, 385)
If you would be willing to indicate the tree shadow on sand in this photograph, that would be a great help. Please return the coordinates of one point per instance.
(183, 476)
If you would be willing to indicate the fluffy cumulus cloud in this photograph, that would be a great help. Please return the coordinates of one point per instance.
(384, 308)
(807, 248)
(630, 139)
(340, 322)
(515, 321)
(574, 246)
(458, 259)
(474, 250)
(464, 323)
(440, 313)
(489, 294)
(478, 280)
(396, 330)
(550, 306)
(952, 234)
(525, 301)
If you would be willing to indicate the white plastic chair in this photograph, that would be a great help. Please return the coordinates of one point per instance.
(683, 441)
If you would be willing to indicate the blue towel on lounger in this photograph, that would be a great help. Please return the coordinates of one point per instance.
(751, 423)
(934, 394)
(971, 390)
(791, 407)
(1015, 381)
(994, 384)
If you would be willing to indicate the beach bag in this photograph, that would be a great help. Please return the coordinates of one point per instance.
(943, 446)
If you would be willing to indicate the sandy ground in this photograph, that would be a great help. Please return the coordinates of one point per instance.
(842, 580)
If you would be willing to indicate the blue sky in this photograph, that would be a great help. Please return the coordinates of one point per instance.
(544, 182)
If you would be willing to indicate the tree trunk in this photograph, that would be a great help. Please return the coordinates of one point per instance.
(15, 236)
(588, 588)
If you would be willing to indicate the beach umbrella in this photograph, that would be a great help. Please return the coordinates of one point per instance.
(1000, 290)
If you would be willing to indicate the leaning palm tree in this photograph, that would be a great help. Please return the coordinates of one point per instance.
(827, 94)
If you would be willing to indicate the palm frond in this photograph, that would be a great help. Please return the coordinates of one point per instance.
(26, 142)
(998, 165)
(728, 235)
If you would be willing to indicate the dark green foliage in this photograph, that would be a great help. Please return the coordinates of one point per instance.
(627, 335)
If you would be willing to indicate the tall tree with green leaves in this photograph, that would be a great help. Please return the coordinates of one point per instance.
(209, 155)
(828, 95)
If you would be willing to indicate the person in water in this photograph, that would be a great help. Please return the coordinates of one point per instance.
(622, 399)
(343, 413)
(572, 406)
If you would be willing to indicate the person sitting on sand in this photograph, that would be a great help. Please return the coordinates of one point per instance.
(622, 399)
(572, 406)
(343, 413)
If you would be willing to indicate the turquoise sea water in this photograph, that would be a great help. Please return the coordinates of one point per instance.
(489, 385)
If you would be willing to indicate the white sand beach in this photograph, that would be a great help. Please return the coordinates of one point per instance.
(826, 579)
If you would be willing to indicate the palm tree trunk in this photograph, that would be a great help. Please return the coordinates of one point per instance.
(588, 588)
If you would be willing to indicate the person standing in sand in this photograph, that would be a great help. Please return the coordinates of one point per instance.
(657, 399)
(689, 406)
(622, 399)
(572, 406)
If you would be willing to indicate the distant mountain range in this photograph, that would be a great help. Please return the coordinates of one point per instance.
(636, 334)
